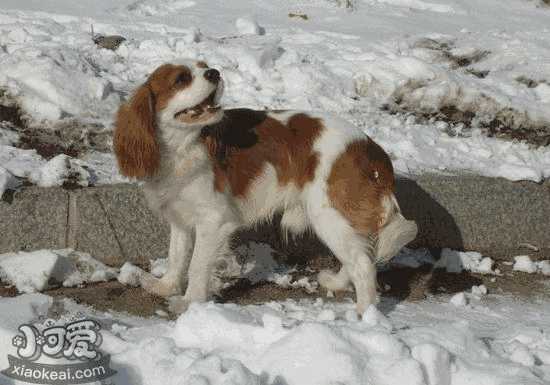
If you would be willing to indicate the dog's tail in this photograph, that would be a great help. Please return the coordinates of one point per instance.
(395, 233)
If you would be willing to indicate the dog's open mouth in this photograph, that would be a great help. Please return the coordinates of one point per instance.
(209, 104)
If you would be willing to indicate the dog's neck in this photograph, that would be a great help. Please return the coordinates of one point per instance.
(182, 152)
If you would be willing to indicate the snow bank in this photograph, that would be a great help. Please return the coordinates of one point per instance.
(29, 164)
(35, 271)
(353, 64)
(294, 343)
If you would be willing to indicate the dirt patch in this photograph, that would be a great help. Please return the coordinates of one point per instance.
(302, 16)
(507, 124)
(10, 110)
(445, 49)
(45, 145)
(68, 137)
(478, 73)
(403, 284)
(528, 82)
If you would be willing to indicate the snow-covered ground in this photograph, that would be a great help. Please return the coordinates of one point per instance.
(399, 69)
(493, 340)
(468, 338)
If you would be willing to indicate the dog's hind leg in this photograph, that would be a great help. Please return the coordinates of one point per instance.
(353, 250)
(174, 281)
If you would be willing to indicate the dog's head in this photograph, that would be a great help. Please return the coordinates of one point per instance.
(183, 96)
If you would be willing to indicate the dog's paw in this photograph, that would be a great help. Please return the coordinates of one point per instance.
(333, 281)
(178, 304)
(162, 287)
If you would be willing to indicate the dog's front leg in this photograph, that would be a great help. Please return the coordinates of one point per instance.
(173, 282)
(211, 240)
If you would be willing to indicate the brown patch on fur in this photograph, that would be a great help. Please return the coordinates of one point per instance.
(202, 64)
(359, 178)
(246, 140)
(166, 81)
(135, 143)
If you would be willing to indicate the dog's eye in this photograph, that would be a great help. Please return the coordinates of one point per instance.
(183, 78)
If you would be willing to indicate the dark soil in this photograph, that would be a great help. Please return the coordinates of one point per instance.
(400, 283)
(501, 126)
(506, 124)
(68, 137)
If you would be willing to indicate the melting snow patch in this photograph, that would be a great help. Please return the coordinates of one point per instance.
(130, 274)
(479, 291)
(459, 299)
(455, 261)
(34, 271)
(523, 263)
(159, 267)
(544, 267)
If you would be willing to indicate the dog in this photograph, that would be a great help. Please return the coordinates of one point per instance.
(210, 171)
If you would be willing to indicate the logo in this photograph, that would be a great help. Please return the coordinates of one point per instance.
(77, 341)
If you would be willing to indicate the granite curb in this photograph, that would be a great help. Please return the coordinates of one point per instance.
(494, 216)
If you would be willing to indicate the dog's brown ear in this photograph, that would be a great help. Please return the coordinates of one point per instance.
(135, 144)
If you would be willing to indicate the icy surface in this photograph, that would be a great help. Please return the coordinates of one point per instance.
(357, 59)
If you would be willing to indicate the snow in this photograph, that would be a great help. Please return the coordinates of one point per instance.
(418, 5)
(467, 338)
(357, 59)
(479, 291)
(248, 27)
(456, 261)
(18, 164)
(459, 300)
(34, 271)
(436, 362)
(524, 264)
(495, 341)
(453, 261)
(129, 274)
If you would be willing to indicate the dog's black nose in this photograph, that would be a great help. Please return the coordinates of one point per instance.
(212, 75)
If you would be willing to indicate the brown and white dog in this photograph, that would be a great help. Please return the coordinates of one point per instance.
(209, 171)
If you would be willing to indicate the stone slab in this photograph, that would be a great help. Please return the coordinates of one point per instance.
(33, 218)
